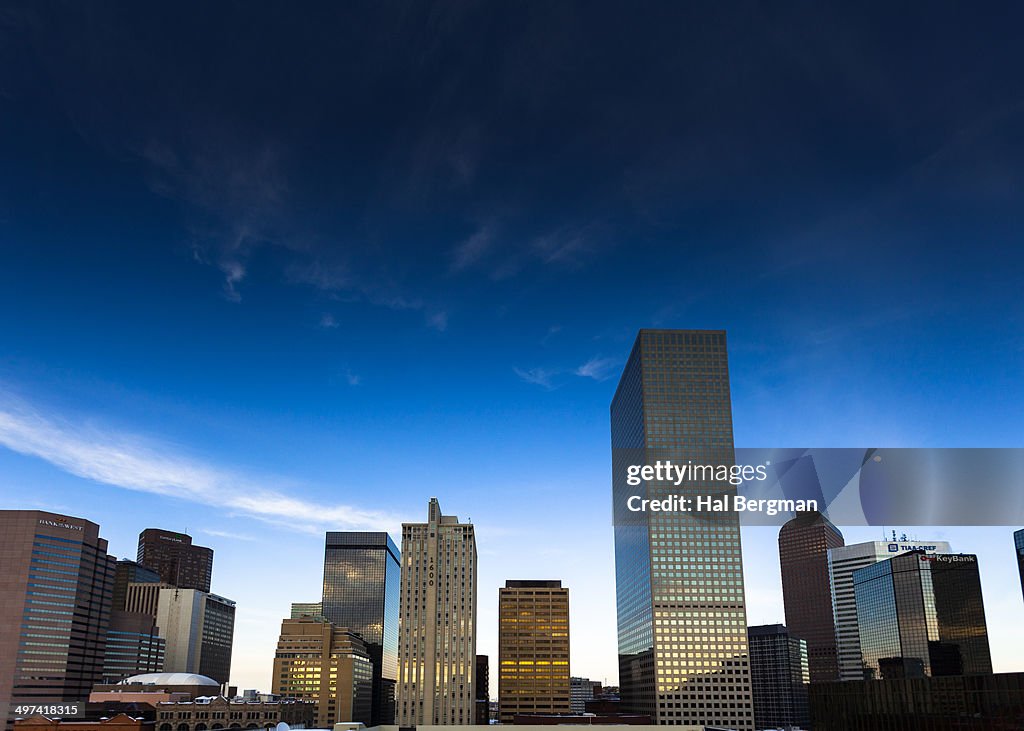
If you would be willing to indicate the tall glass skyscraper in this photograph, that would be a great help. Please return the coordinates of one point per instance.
(1018, 542)
(921, 615)
(679, 576)
(361, 590)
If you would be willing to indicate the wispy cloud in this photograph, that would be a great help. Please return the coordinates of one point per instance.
(473, 249)
(136, 463)
(438, 321)
(537, 376)
(353, 379)
(327, 321)
(227, 534)
(597, 368)
(600, 369)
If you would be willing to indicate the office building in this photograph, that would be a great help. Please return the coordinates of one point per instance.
(175, 559)
(361, 591)
(1018, 542)
(56, 586)
(682, 629)
(134, 646)
(779, 676)
(921, 615)
(129, 572)
(533, 649)
(581, 690)
(949, 703)
(842, 562)
(143, 597)
(198, 629)
(307, 609)
(325, 664)
(483, 691)
(437, 623)
(804, 543)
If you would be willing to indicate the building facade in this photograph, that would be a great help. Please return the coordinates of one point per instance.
(842, 562)
(56, 588)
(199, 631)
(175, 559)
(779, 677)
(581, 690)
(804, 543)
(483, 691)
(437, 622)
(129, 572)
(134, 646)
(1018, 544)
(307, 609)
(951, 703)
(533, 649)
(361, 593)
(682, 630)
(326, 665)
(921, 615)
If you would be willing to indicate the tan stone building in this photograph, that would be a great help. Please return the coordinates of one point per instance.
(325, 664)
(437, 622)
(533, 649)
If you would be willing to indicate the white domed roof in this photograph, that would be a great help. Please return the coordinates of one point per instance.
(170, 679)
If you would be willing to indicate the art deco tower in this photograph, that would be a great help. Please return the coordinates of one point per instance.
(679, 576)
(437, 622)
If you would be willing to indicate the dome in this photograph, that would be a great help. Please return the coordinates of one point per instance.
(170, 679)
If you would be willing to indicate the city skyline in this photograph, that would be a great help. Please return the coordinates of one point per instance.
(266, 275)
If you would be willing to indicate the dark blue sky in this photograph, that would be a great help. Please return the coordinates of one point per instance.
(358, 254)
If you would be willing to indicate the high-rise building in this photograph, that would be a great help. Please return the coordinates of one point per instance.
(483, 691)
(581, 690)
(1018, 542)
(361, 591)
(175, 559)
(804, 543)
(129, 572)
(199, 631)
(533, 649)
(134, 646)
(307, 609)
(437, 623)
(316, 660)
(779, 676)
(922, 615)
(56, 582)
(682, 627)
(842, 562)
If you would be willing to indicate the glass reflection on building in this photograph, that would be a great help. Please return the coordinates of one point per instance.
(361, 588)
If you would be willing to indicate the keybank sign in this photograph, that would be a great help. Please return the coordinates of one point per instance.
(897, 547)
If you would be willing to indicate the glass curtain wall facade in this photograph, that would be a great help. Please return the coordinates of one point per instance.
(682, 628)
(361, 593)
(922, 615)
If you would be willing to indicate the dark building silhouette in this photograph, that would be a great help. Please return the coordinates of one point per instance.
(952, 703)
(1018, 543)
(175, 559)
(483, 691)
(55, 594)
(361, 594)
(920, 615)
(779, 677)
(804, 543)
(673, 403)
